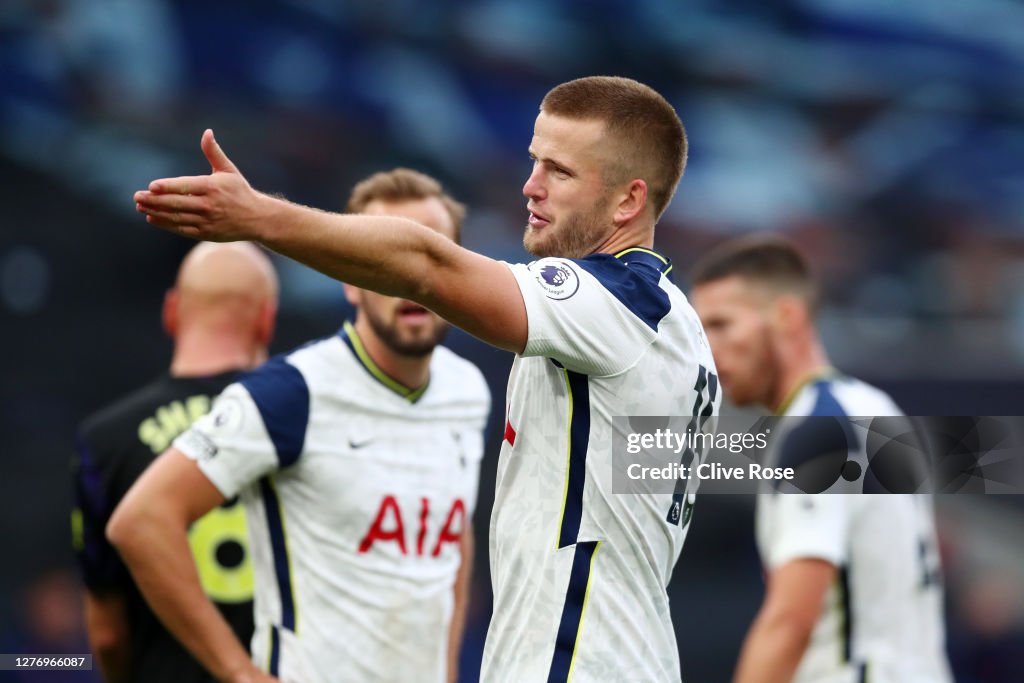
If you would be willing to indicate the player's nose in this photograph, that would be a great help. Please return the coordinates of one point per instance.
(534, 187)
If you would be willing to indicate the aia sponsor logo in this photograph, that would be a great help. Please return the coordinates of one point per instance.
(390, 525)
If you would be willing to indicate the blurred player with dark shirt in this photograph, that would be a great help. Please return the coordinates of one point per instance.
(221, 316)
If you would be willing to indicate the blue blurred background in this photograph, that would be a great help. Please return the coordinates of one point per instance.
(886, 138)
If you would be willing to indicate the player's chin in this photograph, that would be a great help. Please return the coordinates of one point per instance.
(537, 243)
(422, 323)
(423, 338)
(418, 348)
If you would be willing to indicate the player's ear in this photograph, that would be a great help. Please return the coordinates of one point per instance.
(267, 321)
(632, 201)
(169, 313)
(353, 295)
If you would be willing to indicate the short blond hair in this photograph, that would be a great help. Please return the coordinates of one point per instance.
(649, 138)
(402, 185)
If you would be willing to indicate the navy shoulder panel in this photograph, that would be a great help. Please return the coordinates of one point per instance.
(635, 284)
(282, 397)
(819, 446)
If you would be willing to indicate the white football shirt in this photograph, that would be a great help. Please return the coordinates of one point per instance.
(882, 619)
(579, 573)
(357, 492)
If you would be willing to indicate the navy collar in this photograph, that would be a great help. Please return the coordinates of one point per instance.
(647, 257)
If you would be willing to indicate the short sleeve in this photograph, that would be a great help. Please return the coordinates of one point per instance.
(803, 525)
(256, 426)
(594, 316)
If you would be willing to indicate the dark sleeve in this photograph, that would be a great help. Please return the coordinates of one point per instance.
(100, 564)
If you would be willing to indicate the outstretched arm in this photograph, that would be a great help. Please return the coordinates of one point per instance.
(392, 256)
(780, 632)
(150, 529)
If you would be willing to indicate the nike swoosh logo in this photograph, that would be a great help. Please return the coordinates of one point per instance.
(359, 444)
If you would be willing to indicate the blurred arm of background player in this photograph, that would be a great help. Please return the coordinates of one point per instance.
(106, 621)
(391, 256)
(793, 598)
(150, 529)
(463, 581)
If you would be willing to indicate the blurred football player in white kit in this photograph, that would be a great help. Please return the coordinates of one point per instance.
(853, 581)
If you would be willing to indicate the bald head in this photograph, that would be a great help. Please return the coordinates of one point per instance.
(236, 269)
(223, 304)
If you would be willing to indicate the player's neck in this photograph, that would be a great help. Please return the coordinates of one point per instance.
(203, 355)
(411, 372)
(633, 235)
(807, 364)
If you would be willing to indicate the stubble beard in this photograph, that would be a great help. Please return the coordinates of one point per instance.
(416, 347)
(762, 392)
(761, 385)
(579, 236)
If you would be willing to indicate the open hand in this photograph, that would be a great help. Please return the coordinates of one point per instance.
(220, 207)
